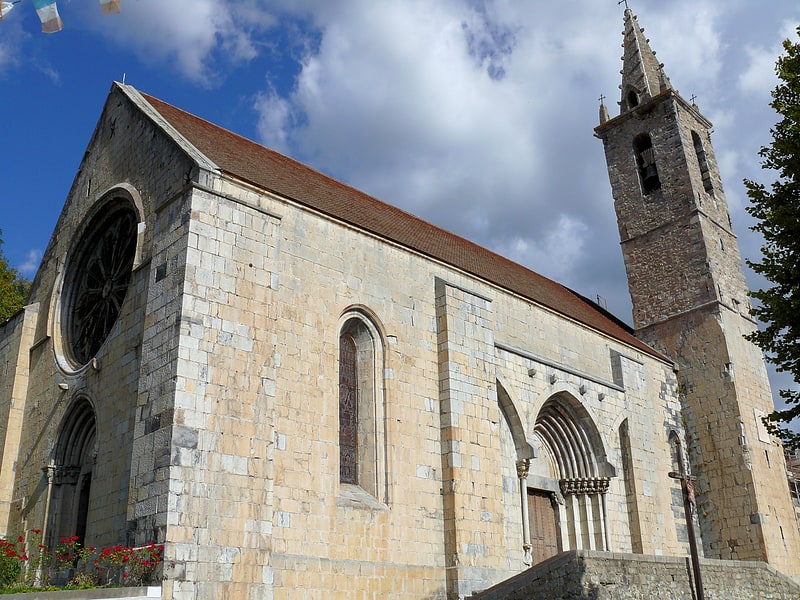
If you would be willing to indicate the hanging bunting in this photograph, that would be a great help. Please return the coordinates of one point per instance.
(110, 7)
(48, 15)
(5, 8)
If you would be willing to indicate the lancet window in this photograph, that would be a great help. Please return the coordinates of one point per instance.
(362, 451)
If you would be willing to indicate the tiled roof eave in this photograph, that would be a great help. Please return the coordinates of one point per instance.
(278, 174)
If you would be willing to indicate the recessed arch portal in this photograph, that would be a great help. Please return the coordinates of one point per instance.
(69, 474)
(571, 441)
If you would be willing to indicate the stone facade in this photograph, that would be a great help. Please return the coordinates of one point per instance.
(302, 391)
(212, 406)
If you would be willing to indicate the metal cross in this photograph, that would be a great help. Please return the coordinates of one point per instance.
(625, 2)
(692, 99)
(601, 98)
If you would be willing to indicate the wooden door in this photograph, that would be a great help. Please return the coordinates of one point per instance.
(544, 525)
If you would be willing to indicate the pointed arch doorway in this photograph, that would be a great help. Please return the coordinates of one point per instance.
(568, 481)
(69, 475)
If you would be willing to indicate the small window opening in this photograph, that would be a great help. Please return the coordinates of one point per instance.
(702, 162)
(633, 99)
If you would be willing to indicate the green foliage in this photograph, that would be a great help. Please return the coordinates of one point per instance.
(778, 213)
(13, 288)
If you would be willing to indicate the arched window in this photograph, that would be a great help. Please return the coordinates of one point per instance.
(702, 162)
(362, 444)
(646, 163)
(69, 474)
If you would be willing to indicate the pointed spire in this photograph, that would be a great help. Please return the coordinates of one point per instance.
(642, 75)
(603, 110)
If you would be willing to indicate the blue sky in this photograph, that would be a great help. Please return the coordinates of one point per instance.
(475, 115)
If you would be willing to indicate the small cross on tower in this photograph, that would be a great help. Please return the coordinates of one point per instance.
(625, 2)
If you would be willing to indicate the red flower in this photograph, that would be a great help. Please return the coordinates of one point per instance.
(20, 539)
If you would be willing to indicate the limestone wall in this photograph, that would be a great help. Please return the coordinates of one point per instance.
(449, 518)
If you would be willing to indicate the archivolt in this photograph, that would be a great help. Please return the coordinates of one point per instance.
(572, 438)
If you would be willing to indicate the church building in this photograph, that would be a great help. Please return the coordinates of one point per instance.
(298, 388)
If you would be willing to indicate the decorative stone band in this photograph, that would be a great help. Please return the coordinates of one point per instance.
(584, 485)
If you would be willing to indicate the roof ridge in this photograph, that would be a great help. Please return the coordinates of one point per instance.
(283, 175)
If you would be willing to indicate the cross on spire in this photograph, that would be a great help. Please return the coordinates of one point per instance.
(625, 2)
(601, 98)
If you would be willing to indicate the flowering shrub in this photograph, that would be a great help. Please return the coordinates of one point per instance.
(10, 562)
(87, 566)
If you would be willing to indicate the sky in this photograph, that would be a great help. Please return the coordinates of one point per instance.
(476, 115)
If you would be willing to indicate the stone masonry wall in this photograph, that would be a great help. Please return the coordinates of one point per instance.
(16, 336)
(586, 575)
(325, 533)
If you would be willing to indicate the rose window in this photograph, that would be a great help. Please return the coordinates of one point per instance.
(98, 279)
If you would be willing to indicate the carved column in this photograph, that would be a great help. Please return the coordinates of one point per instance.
(522, 473)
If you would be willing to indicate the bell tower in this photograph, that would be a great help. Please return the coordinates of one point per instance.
(689, 296)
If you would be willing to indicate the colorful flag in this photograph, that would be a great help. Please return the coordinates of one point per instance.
(48, 15)
(5, 8)
(110, 6)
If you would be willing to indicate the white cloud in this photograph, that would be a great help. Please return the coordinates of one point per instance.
(192, 34)
(31, 264)
(274, 120)
(13, 43)
(557, 252)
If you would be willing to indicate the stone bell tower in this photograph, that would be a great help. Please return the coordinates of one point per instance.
(690, 301)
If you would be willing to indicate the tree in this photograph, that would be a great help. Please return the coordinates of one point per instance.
(777, 211)
(13, 288)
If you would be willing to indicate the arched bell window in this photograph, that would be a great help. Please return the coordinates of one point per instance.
(646, 163)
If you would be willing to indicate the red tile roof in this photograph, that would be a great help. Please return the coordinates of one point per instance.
(272, 171)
